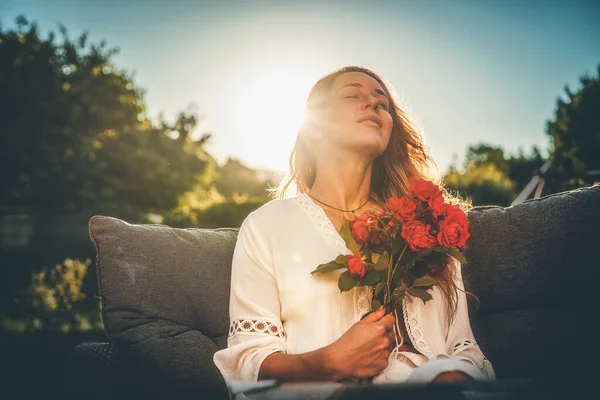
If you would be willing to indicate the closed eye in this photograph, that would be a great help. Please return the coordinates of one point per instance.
(355, 97)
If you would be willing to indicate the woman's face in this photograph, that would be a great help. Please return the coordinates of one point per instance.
(354, 99)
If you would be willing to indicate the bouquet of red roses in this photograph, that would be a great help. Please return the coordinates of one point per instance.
(404, 248)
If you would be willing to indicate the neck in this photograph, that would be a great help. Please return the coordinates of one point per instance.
(344, 185)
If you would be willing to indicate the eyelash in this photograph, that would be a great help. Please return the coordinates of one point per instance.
(383, 104)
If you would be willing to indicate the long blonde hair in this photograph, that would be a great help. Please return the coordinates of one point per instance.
(406, 156)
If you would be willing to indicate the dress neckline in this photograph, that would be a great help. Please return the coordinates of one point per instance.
(323, 224)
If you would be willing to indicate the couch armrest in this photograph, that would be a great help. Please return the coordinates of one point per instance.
(97, 354)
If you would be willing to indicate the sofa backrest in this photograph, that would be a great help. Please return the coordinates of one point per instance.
(524, 263)
(154, 279)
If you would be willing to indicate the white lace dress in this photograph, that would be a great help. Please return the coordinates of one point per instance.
(276, 305)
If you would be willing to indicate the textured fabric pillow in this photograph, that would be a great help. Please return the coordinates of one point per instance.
(530, 265)
(149, 272)
(520, 257)
(165, 299)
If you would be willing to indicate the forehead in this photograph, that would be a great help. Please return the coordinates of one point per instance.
(357, 77)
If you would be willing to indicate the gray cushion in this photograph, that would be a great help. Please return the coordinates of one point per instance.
(530, 265)
(520, 256)
(150, 272)
(165, 302)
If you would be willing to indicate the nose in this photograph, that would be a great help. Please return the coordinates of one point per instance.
(371, 101)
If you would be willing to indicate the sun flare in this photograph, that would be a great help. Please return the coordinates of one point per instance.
(268, 111)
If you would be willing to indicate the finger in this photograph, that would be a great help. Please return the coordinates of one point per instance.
(375, 316)
(392, 336)
(388, 321)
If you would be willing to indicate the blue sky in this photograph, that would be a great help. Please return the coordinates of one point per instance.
(468, 71)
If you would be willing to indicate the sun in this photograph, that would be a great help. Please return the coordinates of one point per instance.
(267, 112)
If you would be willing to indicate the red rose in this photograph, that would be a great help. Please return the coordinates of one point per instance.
(423, 189)
(438, 205)
(404, 207)
(454, 229)
(360, 228)
(417, 235)
(390, 227)
(356, 266)
(376, 212)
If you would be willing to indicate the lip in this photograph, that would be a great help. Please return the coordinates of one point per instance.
(373, 117)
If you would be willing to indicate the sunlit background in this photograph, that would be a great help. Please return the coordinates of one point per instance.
(468, 70)
(194, 118)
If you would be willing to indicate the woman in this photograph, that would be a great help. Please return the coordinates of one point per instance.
(355, 149)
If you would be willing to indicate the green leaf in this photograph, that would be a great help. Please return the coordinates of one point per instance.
(379, 288)
(437, 258)
(384, 262)
(328, 267)
(439, 249)
(346, 281)
(375, 258)
(347, 236)
(409, 262)
(398, 243)
(401, 288)
(400, 275)
(397, 295)
(420, 293)
(425, 281)
(373, 277)
(458, 255)
(341, 259)
(375, 304)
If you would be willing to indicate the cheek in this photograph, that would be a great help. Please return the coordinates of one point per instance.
(389, 125)
(341, 118)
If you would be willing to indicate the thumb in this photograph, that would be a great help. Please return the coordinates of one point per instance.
(375, 315)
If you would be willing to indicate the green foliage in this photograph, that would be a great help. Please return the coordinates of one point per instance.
(484, 154)
(490, 177)
(212, 210)
(75, 136)
(347, 236)
(346, 281)
(234, 177)
(483, 184)
(53, 301)
(575, 135)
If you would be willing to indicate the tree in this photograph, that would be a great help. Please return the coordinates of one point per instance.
(575, 135)
(235, 177)
(483, 153)
(483, 184)
(74, 136)
(489, 177)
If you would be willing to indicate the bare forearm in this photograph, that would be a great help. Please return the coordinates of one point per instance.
(311, 366)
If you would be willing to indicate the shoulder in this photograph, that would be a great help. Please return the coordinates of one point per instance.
(269, 216)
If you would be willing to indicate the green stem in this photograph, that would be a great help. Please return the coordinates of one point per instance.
(391, 271)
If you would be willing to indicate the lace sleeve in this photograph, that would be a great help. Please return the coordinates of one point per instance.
(460, 340)
(255, 329)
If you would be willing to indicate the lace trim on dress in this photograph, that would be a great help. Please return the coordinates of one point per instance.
(255, 326)
(323, 224)
(362, 295)
(464, 344)
(412, 318)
